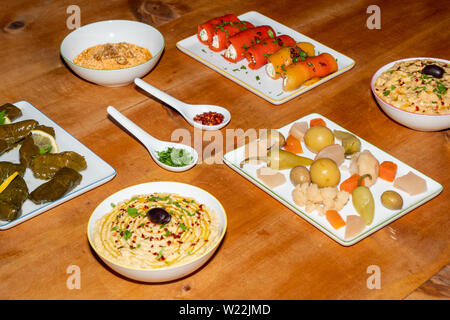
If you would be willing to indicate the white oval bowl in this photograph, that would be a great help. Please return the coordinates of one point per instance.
(113, 31)
(166, 273)
(416, 121)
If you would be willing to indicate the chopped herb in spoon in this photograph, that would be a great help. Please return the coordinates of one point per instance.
(175, 157)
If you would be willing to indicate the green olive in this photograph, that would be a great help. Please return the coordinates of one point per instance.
(325, 173)
(392, 200)
(318, 137)
(299, 175)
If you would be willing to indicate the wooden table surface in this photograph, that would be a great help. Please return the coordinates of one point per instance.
(268, 251)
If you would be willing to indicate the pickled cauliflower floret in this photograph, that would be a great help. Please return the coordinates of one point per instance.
(318, 199)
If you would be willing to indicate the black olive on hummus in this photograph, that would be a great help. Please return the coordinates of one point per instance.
(159, 215)
(433, 70)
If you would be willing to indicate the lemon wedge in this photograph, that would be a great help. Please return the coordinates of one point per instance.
(7, 181)
(44, 141)
(6, 120)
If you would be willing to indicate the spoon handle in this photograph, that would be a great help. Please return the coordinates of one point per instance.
(161, 95)
(135, 130)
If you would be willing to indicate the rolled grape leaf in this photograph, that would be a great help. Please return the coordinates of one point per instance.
(64, 181)
(3, 146)
(11, 111)
(8, 168)
(12, 198)
(46, 165)
(14, 132)
(28, 151)
(49, 130)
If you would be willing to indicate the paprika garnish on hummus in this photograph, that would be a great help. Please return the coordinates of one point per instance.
(408, 87)
(128, 237)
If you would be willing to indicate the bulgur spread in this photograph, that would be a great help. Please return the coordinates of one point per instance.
(127, 235)
(111, 56)
(405, 86)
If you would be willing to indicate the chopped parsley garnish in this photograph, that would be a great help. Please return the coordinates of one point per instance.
(175, 157)
(157, 198)
(303, 55)
(182, 226)
(440, 90)
(132, 212)
(127, 234)
(160, 253)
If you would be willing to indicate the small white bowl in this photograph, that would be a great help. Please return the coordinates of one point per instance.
(113, 31)
(171, 272)
(416, 121)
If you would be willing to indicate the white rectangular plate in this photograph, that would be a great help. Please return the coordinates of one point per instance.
(97, 173)
(257, 81)
(382, 217)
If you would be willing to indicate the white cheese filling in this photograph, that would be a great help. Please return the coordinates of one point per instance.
(203, 35)
(215, 41)
(230, 53)
(270, 70)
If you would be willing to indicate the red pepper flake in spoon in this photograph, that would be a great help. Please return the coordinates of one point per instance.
(209, 118)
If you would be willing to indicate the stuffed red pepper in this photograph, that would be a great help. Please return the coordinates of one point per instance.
(241, 42)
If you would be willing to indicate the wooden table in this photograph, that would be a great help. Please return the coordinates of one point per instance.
(268, 251)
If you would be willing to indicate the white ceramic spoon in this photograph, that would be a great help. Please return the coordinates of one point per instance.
(152, 144)
(188, 111)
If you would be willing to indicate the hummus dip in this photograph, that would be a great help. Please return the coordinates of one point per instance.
(128, 237)
(405, 86)
(111, 56)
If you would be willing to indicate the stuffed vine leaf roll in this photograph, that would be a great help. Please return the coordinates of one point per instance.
(12, 198)
(46, 165)
(64, 181)
(11, 111)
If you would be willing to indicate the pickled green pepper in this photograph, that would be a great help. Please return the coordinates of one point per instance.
(279, 159)
(363, 201)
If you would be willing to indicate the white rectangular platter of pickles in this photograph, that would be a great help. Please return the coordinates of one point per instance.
(382, 215)
(96, 173)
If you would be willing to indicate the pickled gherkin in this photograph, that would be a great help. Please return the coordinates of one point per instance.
(46, 165)
(64, 181)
